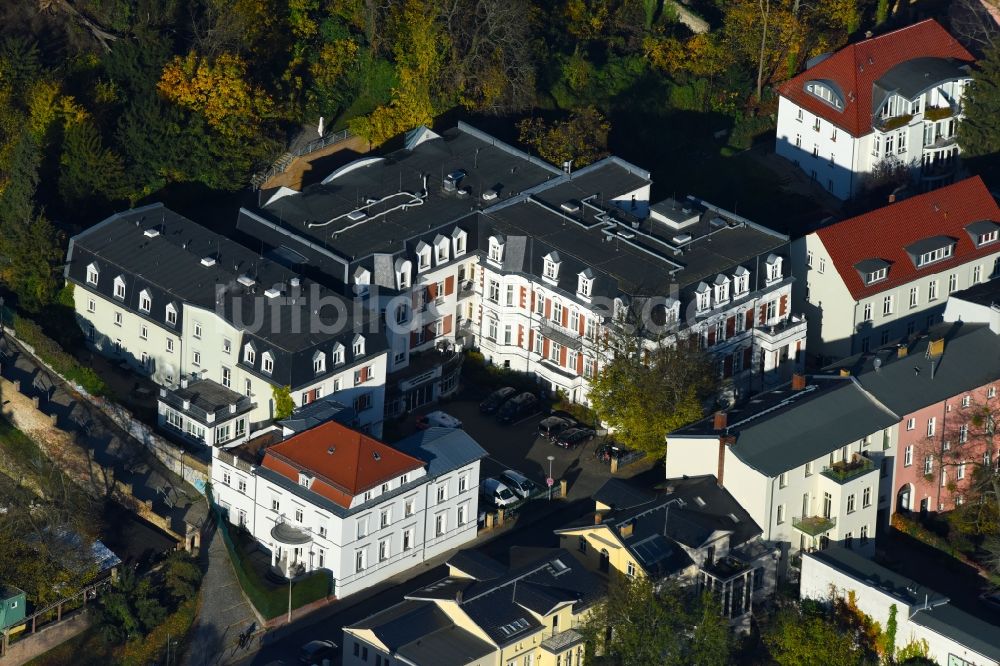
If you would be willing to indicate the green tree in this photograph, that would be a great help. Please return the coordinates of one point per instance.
(581, 139)
(181, 577)
(130, 609)
(800, 637)
(979, 132)
(710, 641)
(88, 168)
(283, 402)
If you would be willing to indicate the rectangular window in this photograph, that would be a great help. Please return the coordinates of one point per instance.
(952, 282)
(908, 456)
(242, 485)
(850, 503)
(442, 493)
(359, 566)
(298, 515)
(463, 514)
(408, 507)
(977, 273)
(932, 290)
(118, 319)
(143, 332)
(197, 331)
(408, 539)
(911, 423)
(914, 297)
(510, 295)
(386, 518)
(463, 483)
(783, 480)
(439, 524)
(227, 377)
(383, 550)
(887, 303)
(91, 305)
(868, 312)
(866, 498)
(780, 514)
(931, 426)
(275, 504)
(196, 358)
(928, 464)
(494, 291)
(362, 528)
(170, 345)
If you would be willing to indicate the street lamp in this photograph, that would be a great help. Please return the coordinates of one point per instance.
(550, 481)
(289, 598)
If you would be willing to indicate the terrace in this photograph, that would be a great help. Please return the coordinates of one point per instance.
(844, 471)
(814, 525)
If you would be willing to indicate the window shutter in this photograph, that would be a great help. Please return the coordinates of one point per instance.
(524, 297)
(763, 314)
(413, 339)
(731, 327)
(579, 364)
(583, 324)
(562, 356)
(432, 291)
(446, 326)
(531, 340)
(565, 318)
(749, 322)
(545, 347)
(532, 301)
(747, 357)
(449, 285)
(548, 308)
(783, 306)
(520, 334)
(711, 337)
(727, 369)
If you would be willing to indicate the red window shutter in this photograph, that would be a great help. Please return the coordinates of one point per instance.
(731, 327)
(749, 322)
(583, 324)
(432, 290)
(449, 285)
(446, 326)
(531, 339)
(562, 356)
(565, 318)
(763, 314)
(532, 301)
(413, 339)
(783, 306)
(548, 309)
(545, 347)
(520, 335)
(747, 357)
(711, 337)
(727, 367)
(524, 297)
(579, 364)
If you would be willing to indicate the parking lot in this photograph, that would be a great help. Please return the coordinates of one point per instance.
(517, 446)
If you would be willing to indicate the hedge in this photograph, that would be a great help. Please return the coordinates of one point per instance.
(31, 334)
(153, 646)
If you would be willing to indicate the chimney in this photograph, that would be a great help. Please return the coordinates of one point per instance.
(892, 198)
(844, 372)
(598, 517)
(798, 381)
(184, 382)
(935, 348)
(902, 351)
(720, 420)
(724, 442)
(625, 529)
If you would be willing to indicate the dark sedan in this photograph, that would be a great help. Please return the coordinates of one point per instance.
(551, 426)
(518, 407)
(493, 401)
(574, 437)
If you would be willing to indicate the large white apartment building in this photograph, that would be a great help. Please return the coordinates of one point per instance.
(333, 498)
(876, 278)
(894, 99)
(177, 301)
(806, 462)
(463, 240)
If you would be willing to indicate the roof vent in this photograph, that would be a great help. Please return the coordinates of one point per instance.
(208, 261)
(272, 293)
(490, 195)
(717, 223)
(570, 206)
(371, 201)
(699, 501)
(331, 450)
(295, 282)
(376, 455)
(151, 233)
(246, 280)
(680, 239)
(356, 215)
(464, 191)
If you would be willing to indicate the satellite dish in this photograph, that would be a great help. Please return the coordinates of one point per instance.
(877, 363)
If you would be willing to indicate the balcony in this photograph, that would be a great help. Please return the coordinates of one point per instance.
(564, 336)
(814, 525)
(845, 471)
(892, 123)
(783, 330)
(466, 289)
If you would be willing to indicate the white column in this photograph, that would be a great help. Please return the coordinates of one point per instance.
(274, 554)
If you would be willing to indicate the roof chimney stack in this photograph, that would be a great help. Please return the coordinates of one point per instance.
(598, 517)
(720, 420)
(844, 372)
(798, 381)
(902, 351)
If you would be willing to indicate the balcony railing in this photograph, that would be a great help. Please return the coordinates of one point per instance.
(842, 472)
(814, 525)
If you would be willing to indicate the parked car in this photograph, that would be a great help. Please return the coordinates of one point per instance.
(314, 652)
(519, 406)
(438, 419)
(522, 486)
(610, 450)
(574, 437)
(551, 426)
(496, 492)
(494, 400)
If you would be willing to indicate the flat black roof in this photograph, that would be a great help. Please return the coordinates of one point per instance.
(985, 293)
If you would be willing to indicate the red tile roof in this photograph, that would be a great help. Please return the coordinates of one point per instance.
(856, 67)
(884, 234)
(343, 462)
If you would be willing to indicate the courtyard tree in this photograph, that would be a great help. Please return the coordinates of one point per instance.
(979, 131)
(284, 404)
(580, 139)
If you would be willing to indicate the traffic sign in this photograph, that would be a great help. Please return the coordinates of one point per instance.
(550, 482)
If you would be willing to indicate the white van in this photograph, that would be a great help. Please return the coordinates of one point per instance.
(519, 483)
(438, 419)
(497, 493)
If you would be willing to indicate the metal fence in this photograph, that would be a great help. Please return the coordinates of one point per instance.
(282, 163)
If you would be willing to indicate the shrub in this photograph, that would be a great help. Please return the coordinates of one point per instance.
(52, 354)
(749, 128)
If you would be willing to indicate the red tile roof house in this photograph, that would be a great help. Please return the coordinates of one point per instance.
(876, 278)
(895, 97)
(334, 498)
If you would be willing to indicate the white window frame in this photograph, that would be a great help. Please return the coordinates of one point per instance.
(93, 274)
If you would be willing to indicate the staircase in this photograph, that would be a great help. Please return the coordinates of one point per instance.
(279, 166)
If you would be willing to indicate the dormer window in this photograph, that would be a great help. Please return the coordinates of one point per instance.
(319, 362)
(403, 269)
(362, 281)
(931, 250)
(120, 287)
(337, 356)
(440, 250)
(358, 347)
(145, 301)
(585, 283)
(550, 269)
(423, 256)
(983, 232)
(458, 241)
(249, 354)
(702, 297)
(875, 276)
(721, 289)
(92, 274)
(827, 92)
(266, 363)
(773, 267)
(496, 249)
(171, 312)
(872, 270)
(741, 282)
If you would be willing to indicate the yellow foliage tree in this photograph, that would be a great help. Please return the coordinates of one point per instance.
(219, 91)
